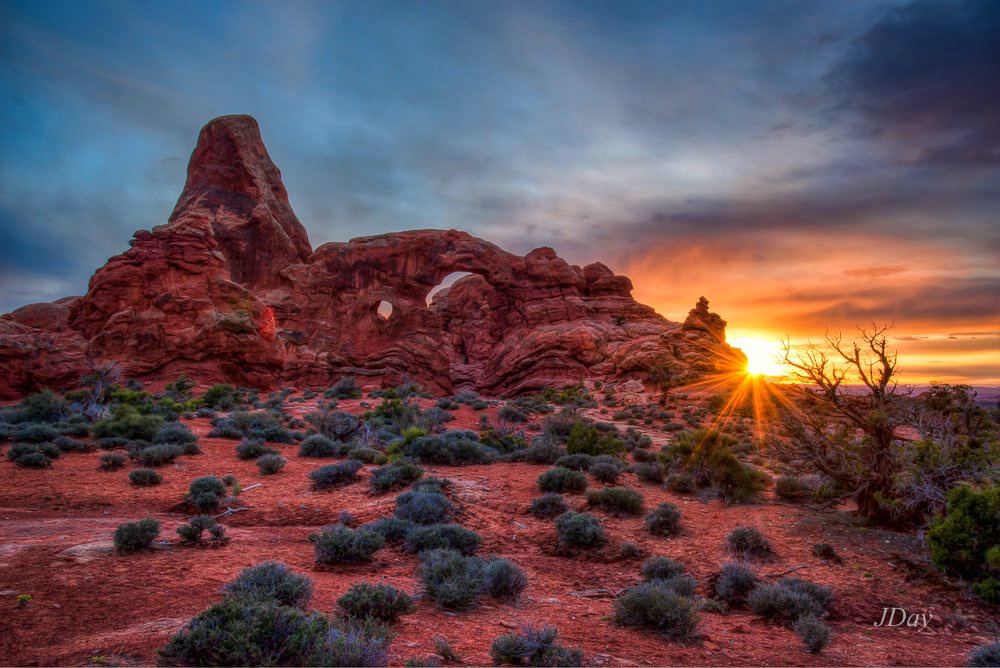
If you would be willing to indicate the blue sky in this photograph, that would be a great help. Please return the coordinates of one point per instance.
(803, 164)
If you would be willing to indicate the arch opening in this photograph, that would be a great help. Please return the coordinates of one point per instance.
(446, 283)
(384, 310)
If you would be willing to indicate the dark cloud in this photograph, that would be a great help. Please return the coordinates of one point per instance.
(926, 77)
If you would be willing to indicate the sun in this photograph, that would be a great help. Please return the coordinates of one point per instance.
(763, 355)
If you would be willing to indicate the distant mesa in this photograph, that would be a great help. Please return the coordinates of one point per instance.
(230, 289)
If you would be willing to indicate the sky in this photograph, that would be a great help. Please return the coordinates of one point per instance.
(808, 166)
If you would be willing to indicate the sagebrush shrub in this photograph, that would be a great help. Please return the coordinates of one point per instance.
(432, 484)
(174, 432)
(270, 464)
(345, 388)
(236, 632)
(792, 488)
(616, 500)
(587, 439)
(606, 472)
(341, 545)
(814, 633)
(135, 536)
(735, 582)
(206, 493)
(193, 531)
(452, 448)
(682, 483)
(442, 536)
(664, 520)
(533, 646)
(158, 455)
(782, 603)
(274, 582)
(575, 530)
(661, 568)
(126, 423)
(575, 462)
(252, 448)
(748, 542)
(657, 606)
(318, 445)
(145, 477)
(34, 432)
(335, 475)
(392, 529)
(450, 578)
(398, 474)
(67, 444)
(376, 601)
(984, 655)
(424, 507)
(504, 579)
(112, 461)
(31, 458)
(562, 481)
(649, 472)
(548, 505)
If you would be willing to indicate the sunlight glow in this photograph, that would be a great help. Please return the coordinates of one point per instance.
(763, 355)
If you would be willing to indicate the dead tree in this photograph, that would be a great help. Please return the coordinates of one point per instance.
(857, 383)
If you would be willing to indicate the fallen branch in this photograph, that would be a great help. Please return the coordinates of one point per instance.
(247, 489)
(230, 511)
(601, 592)
(790, 570)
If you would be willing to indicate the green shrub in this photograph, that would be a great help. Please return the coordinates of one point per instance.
(649, 472)
(111, 461)
(221, 397)
(398, 474)
(271, 582)
(503, 440)
(442, 536)
(616, 500)
(548, 505)
(533, 647)
(127, 423)
(576, 530)
(663, 520)
(252, 448)
(335, 475)
(452, 448)
(960, 539)
(158, 455)
(145, 477)
(423, 507)
(985, 655)
(504, 579)
(67, 444)
(748, 542)
(450, 578)
(376, 601)
(193, 531)
(707, 456)
(988, 590)
(562, 481)
(657, 606)
(661, 568)
(340, 545)
(587, 439)
(206, 493)
(318, 445)
(50, 450)
(270, 464)
(735, 582)
(135, 536)
(814, 633)
(44, 406)
(18, 450)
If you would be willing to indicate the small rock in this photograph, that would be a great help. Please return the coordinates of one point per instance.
(507, 625)
(740, 628)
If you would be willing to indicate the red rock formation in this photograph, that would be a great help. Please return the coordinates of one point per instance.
(230, 289)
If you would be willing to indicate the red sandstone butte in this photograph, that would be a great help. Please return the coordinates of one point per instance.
(230, 289)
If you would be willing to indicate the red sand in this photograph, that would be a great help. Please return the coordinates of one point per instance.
(91, 605)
